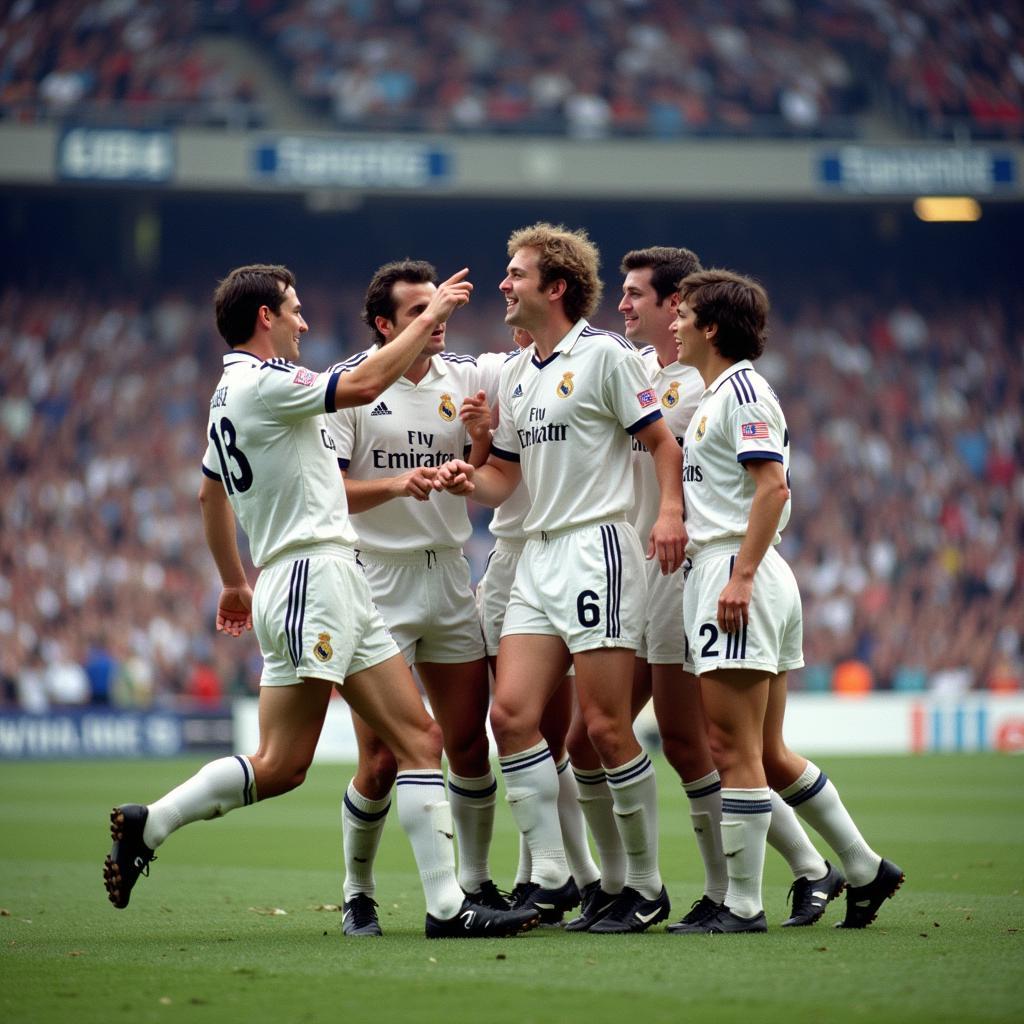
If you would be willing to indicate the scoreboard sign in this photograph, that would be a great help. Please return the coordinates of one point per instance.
(115, 155)
(891, 171)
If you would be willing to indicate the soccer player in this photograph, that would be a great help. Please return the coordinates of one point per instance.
(741, 604)
(664, 670)
(492, 594)
(410, 549)
(569, 405)
(271, 464)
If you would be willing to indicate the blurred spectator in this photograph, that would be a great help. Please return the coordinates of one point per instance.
(907, 532)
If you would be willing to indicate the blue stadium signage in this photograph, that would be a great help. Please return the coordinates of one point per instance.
(340, 163)
(867, 170)
(77, 734)
(115, 154)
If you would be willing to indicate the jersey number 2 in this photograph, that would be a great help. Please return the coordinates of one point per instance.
(226, 449)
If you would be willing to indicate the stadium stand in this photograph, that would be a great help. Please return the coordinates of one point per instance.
(719, 68)
(906, 534)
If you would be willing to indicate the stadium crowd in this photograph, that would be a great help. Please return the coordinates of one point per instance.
(907, 533)
(589, 69)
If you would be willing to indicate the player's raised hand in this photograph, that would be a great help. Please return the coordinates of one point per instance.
(456, 477)
(449, 296)
(418, 483)
(234, 610)
(476, 416)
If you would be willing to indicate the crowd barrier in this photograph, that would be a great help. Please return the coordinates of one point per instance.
(815, 724)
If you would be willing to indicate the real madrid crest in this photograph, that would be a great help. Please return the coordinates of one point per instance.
(322, 649)
(446, 409)
(671, 397)
(701, 427)
(565, 387)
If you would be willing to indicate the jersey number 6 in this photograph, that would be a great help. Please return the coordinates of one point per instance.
(587, 611)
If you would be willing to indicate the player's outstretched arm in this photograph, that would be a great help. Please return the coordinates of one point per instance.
(770, 496)
(363, 495)
(234, 609)
(668, 538)
(390, 361)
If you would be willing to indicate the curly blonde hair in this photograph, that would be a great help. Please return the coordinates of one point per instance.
(568, 256)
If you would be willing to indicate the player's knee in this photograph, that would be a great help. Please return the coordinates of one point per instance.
(686, 762)
(610, 739)
(380, 769)
(508, 726)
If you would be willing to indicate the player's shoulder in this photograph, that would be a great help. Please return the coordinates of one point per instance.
(347, 365)
(743, 385)
(457, 359)
(598, 336)
(278, 363)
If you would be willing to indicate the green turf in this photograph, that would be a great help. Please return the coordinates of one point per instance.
(192, 948)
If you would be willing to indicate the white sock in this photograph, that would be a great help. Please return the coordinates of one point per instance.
(787, 836)
(218, 787)
(635, 798)
(531, 788)
(574, 828)
(746, 815)
(525, 868)
(362, 824)
(427, 819)
(596, 804)
(705, 796)
(472, 803)
(817, 801)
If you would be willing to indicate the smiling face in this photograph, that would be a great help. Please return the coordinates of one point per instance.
(526, 303)
(692, 342)
(646, 321)
(287, 327)
(410, 300)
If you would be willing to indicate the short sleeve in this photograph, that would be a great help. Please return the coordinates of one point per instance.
(342, 428)
(292, 393)
(630, 394)
(758, 432)
(505, 442)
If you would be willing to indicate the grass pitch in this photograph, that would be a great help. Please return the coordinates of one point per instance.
(201, 942)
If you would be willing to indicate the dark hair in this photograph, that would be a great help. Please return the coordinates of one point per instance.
(240, 295)
(568, 256)
(738, 305)
(380, 298)
(668, 267)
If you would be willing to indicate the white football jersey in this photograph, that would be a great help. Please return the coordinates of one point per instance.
(568, 420)
(738, 419)
(678, 389)
(268, 445)
(509, 516)
(410, 425)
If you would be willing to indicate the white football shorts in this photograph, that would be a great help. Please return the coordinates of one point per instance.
(427, 601)
(315, 619)
(664, 639)
(586, 584)
(771, 641)
(492, 592)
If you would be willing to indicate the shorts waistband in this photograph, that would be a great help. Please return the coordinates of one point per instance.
(426, 557)
(507, 544)
(546, 535)
(328, 550)
(716, 547)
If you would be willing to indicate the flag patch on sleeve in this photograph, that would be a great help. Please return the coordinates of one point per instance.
(306, 377)
(754, 432)
(647, 397)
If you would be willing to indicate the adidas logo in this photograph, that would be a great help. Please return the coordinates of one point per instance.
(380, 409)
(518, 393)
